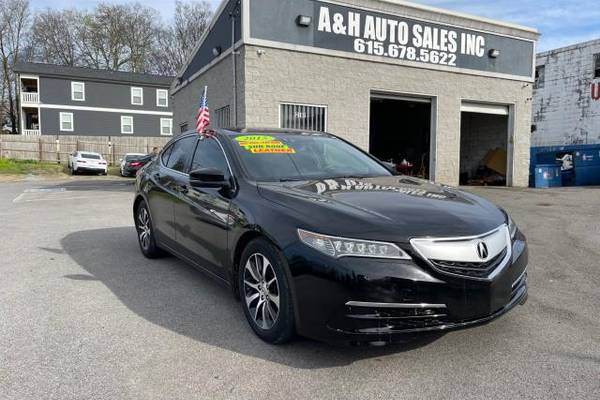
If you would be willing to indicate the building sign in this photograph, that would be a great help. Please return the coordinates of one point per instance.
(396, 38)
(371, 33)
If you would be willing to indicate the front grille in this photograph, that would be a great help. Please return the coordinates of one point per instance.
(381, 320)
(470, 269)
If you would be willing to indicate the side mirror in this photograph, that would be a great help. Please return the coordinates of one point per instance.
(390, 166)
(208, 178)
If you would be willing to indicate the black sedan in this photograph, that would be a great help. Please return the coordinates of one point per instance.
(316, 237)
(132, 163)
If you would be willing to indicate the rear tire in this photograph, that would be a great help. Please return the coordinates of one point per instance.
(265, 292)
(145, 232)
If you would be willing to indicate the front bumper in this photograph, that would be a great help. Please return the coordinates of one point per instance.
(365, 300)
(128, 171)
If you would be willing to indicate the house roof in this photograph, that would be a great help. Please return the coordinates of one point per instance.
(92, 74)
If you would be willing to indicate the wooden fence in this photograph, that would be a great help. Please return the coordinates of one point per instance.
(57, 149)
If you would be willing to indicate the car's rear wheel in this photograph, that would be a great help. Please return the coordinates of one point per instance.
(265, 292)
(145, 232)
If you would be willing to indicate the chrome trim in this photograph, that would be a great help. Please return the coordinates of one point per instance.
(519, 279)
(500, 268)
(393, 305)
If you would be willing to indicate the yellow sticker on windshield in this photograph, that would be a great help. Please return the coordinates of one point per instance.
(259, 144)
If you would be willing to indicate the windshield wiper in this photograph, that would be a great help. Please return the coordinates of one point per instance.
(293, 180)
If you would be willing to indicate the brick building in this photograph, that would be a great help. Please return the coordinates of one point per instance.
(403, 81)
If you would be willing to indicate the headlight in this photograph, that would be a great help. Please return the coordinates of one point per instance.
(338, 247)
(512, 227)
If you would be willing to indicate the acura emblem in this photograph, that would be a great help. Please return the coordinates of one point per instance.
(482, 250)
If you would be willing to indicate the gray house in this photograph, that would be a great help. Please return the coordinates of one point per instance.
(57, 100)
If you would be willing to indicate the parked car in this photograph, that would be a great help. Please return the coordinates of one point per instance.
(132, 162)
(319, 238)
(87, 161)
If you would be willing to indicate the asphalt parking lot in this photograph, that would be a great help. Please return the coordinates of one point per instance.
(84, 316)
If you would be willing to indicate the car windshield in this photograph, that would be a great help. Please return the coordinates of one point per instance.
(290, 157)
(90, 156)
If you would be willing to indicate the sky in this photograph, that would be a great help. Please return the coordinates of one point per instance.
(561, 22)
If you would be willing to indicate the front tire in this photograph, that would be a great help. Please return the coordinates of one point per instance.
(265, 292)
(145, 232)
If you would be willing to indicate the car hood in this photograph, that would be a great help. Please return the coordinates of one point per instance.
(385, 208)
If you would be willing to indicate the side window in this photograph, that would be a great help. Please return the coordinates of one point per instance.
(165, 155)
(210, 155)
(181, 154)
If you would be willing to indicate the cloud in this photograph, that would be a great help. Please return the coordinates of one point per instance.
(561, 22)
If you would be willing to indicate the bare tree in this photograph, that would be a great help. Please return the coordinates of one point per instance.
(140, 36)
(54, 36)
(176, 42)
(101, 38)
(14, 26)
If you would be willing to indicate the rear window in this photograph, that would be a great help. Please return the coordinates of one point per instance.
(90, 156)
(133, 157)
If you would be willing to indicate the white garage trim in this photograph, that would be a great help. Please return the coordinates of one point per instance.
(484, 108)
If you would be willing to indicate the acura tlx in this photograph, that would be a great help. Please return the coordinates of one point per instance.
(316, 237)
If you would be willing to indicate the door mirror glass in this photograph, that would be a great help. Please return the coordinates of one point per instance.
(208, 178)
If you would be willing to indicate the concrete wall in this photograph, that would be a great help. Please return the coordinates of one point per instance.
(564, 111)
(345, 86)
(219, 80)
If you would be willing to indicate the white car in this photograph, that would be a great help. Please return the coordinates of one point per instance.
(129, 157)
(88, 161)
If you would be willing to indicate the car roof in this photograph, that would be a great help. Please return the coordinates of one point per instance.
(235, 132)
(89, 152)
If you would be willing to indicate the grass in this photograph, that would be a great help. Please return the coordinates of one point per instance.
(24, 167)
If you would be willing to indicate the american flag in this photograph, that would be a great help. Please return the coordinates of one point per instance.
(203, 117)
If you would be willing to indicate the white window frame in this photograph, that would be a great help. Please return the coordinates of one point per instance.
(62, 116)
(169, 121)
(133, 89)
(123, 117)
(166, 94)
(73, 84)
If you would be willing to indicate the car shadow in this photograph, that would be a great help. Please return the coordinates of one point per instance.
(169, 293)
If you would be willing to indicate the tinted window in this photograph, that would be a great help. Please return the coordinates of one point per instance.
(181, 154)
(166, 154)
(209, 155)
(276, 157)
(90, 156)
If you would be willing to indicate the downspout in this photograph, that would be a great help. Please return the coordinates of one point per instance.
(235, 12)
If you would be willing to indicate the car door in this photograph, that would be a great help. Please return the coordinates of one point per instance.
(202, 217)
(164, 191)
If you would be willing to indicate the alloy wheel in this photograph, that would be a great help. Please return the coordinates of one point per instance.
(261, 291)
(144, 231)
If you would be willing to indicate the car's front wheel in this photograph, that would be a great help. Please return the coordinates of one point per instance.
(145, 232)
(265, 292)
